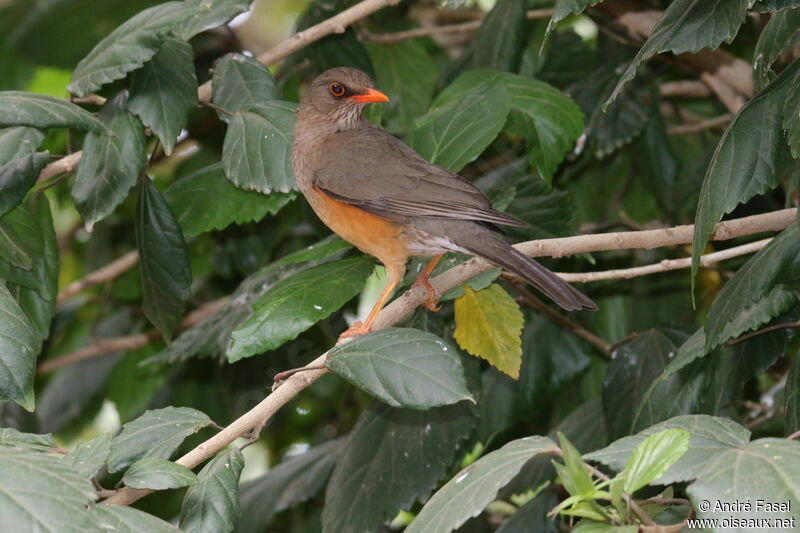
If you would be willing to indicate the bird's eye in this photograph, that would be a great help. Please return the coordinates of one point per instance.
(336, 89)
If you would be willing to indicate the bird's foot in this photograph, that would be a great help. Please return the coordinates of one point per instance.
(280, 377)
(356, 330)
(432, 303)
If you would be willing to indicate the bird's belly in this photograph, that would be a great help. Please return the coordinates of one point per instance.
(374, 235)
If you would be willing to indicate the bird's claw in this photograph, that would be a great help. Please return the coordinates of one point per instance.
(356, 330)
(432, 303)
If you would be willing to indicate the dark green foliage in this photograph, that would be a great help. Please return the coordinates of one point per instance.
(130, 320)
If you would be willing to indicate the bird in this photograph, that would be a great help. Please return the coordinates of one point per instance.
(385, 199)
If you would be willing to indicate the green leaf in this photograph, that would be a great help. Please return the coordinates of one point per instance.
(128, 47)
(634, 366)
(18, 108)
(463, 120)
(297, 303)
(710, 438)
(40, 492)
(747, 159)
(653, 457)
(207, 14)
(565, 8)
(212, 506)
(587, 526)
(257, 152)
(532, 516)
(574, 476)
(547, 118)
(17, 176)
(32, 441)
(500, 41)
(158, 474)
(778, 262)
(241, 81)
(111, 162)
(156, 433)
(791, 401)
(403, 368)
(392, 458)
(468, 493)
(164, 90)
(488, 325)
(776, 35)
(395, 64)
(791, 116)
(688, 26)
(289, 483)
(122, 519)
(164, 263)
(19, 347)
(205, 200)
(766, 470)
(691, 350)
(88, 457)
(18, 142)
(765, 6)
(20, 242)
(132, 385)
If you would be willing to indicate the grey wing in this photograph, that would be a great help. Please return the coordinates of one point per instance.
(373, 170)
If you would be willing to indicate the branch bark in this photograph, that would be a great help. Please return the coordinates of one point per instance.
(402, 306)
(107, 273)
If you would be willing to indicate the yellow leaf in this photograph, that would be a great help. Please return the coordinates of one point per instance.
(489, 325)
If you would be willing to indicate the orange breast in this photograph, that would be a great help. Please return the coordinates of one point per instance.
(372, 234)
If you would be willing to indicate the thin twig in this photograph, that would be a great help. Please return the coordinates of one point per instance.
(643, 516)
(776, 327)
(795, 435)
(563, 321)
(402, 306)
(128, 342)
(101, 275)
(684, 89)
(729, 97)
(701, 125)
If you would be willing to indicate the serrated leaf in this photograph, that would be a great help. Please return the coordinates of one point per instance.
(20, 242)
(473, 488)
(289, 483)
(710, 437)
(19, 347)
(791, 116)
(778, 262)
(403, 368)
(18, 142)
(488, 325)
(164, 90)
(653, 457)
(573, 474)
(392, 458)
(688, 26)
(205, 200)
(297, 303)
(547, 118)
(212, 505)
(565, 8)
(122, 519)
(634, 366)
(17, 176)
(241, 81)
(776, 35)
(32, 441)
(501, 38)
(156, 433)
(765, 6)
(747, 159)
(791, 400)
(158, 474)
(766, 470)
(257, 151)
(207, 14)
(163, 260)
(128, 47)
(111, 162)
(395, 64)
(18, 108)
(40, 492)
(88, 457)
(463, 120)
(691, 350)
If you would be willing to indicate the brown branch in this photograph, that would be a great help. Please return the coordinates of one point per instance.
(462, 27)
(402, 306)
(684, 89)
(793, 436)
(701, 125)
(534, 302)
(768, 329)
(128, 342)
(733, 100)
(65, 164)
(101, 275)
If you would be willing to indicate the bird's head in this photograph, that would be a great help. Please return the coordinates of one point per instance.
(340, 95)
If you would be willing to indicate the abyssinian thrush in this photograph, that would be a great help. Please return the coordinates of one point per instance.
(385, 199)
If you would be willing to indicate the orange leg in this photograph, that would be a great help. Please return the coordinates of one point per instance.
(424, 280)
(394, 274)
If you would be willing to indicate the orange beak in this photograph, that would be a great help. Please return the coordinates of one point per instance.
(370, 96)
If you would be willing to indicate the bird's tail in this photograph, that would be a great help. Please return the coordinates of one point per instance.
(484, 244)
